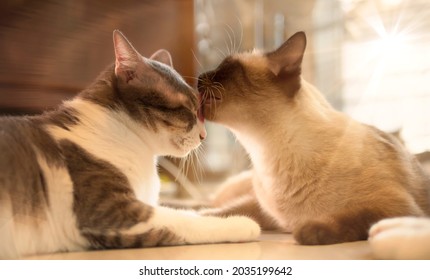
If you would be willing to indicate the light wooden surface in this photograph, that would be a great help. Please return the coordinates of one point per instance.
(274, 246)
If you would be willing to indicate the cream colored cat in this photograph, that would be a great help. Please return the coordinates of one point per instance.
(316, 172)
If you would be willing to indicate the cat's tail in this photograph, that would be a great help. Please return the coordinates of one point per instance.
(345, 227)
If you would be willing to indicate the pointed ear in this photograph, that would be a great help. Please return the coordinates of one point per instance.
(288, 57)
(126, 57)
(162, 56)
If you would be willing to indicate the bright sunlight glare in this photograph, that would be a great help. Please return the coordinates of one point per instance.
(390, 44)
(392, 88)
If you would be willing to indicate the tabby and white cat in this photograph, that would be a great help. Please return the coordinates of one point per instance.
(316, 172)
(85, 175)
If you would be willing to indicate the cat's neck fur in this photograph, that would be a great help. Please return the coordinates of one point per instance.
(287, 142)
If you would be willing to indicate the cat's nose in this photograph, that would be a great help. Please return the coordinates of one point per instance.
(202, 135)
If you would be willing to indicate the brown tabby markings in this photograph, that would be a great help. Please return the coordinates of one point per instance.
(161, 237)
(179, 86)
(103, 196)
(85, 175)
(22, 142)
(105, 203)
(25, 141)
(116, 204)
(64, 117)
(145, 105)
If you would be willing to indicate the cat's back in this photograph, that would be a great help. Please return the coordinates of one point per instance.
(370, 160)
(12, 132)
(28, 155)
(16, 147)
(392, 155)
(35, 188)
(22, 141)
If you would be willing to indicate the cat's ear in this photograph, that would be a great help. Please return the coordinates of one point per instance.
(162, 56)
(126, 57)
(288, 57)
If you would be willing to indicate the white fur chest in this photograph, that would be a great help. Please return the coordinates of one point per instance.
(140, 171)
(145, 182)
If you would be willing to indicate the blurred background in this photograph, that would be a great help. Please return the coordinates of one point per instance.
(370, 58)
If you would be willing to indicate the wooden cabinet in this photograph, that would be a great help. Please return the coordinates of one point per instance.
(49, 50)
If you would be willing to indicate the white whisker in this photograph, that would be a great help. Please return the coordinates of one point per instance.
(232, 39)
(223, 53)
(229, 47)
(241, 33)
(197, 60)
(191, 77)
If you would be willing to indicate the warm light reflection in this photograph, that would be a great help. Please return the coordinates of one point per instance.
(391, 39)
(390, 3)
(390, 44)
(389, 88)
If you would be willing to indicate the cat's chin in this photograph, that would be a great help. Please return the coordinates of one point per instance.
(180, 153)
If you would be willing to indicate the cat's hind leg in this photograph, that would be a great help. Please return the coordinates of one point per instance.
(345, 226)
(245, 205)
(401, 238)
(236, 196)
(327, 231)
(350, 223)
(233, 188)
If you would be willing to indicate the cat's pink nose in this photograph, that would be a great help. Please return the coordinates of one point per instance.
(202, 135)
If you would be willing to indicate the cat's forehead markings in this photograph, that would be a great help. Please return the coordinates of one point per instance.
(176, 84)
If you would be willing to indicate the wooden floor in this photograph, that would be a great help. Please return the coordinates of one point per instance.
(273, 246)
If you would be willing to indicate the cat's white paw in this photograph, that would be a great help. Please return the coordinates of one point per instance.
(401, 238)
(242, 229)
(392, 223)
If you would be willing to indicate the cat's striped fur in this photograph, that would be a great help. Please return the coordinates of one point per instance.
(85, 175)
(316, 172)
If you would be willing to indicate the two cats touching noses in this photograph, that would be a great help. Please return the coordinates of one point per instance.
(84, 176)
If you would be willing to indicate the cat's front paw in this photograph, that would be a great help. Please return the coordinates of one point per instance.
(216, 212)
(400, 238)
(392, 223)
(243, 229)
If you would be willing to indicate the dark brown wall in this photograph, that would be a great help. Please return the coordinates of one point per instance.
(49, 50)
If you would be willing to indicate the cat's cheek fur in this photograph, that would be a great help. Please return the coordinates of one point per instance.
(181, 144)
